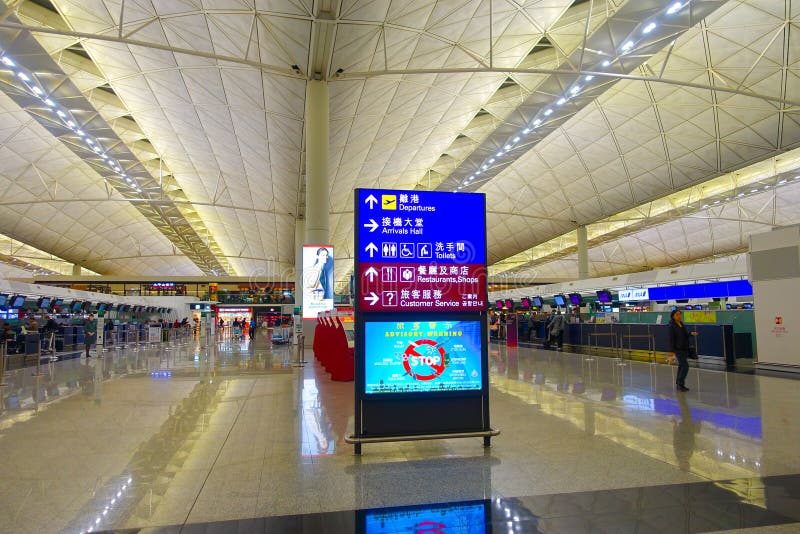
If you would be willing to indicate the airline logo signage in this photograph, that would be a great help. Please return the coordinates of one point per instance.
(631, 295)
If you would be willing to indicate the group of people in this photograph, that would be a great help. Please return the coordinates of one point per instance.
(240, 326)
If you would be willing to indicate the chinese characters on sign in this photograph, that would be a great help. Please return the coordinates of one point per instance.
(418, 251)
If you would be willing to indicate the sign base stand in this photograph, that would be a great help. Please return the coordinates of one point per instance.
(487, 436)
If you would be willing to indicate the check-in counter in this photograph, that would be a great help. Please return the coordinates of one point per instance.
(713, 340)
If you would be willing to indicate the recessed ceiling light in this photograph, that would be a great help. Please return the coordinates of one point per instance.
(740, 195)
(71, 124)
(507, 147)
(526, 131)
(516, 139)
(61, 114)
(548, 111)
(627, 46)
(478, 172)
(89, 142)
(492, 160)
(588, 77)
(650, 27)
(500, 153)
(575, 89)
(606, 63)
(754, 190)
(49, 102)
(537, 122)
(716, 202)
(674, 8)
(8, 62)
(485, 167)
(561, 101)
(782, 181)
(766, 187)
(22, 76)
(80, 132)
(36, 90)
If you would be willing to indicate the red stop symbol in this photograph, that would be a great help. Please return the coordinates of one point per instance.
(423, 359)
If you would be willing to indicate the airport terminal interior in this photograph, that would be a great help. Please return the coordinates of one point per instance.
(385, 266)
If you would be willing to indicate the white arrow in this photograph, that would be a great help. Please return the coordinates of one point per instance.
(372, 298)
(371, 200)
(372, 273)
(372, 249)
(372, 225)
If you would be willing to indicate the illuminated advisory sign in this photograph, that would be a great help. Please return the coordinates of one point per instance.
(421, 251)
(317, 280)
(423, 356)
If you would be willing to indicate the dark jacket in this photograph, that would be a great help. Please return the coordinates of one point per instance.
(678, 337)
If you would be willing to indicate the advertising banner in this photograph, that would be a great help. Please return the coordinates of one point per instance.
(317, 280)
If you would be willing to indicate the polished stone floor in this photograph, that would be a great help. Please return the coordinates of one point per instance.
(234, 437)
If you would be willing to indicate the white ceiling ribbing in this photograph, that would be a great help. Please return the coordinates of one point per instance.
(232, 135)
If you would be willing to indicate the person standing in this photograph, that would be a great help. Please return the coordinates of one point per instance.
(557, 327)
(89, 333)
(679, 347)
(548, 321)
(50, 329)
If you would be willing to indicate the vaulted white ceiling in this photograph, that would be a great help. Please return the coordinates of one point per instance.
(209, 95)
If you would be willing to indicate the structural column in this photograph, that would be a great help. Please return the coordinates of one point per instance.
(317, 183)
(583, 254)
(299, 240)
(76, 270)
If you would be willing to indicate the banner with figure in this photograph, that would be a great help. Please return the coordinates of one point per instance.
(317, 280)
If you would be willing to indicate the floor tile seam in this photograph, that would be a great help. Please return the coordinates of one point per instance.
(214, 463)
(782, 518)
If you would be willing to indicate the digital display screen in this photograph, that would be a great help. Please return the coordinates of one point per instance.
(453, 518)
(422, 357)
(538, 302)
(604, 296)
(509, 304)
(44, 302)
(575, 299)
(57, 303)
(498, 304)
(3, 300)
(101, 307)
(76, 305)
(526, 302)
(17, 301)
(560, 300)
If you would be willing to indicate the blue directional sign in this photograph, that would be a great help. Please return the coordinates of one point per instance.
(421, 250)
(407, 227)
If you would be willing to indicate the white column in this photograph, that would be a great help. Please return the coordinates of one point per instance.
(76, 270)
(317, 183)
(317, 115)
(299, 239)
(583, 254)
